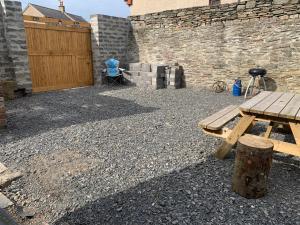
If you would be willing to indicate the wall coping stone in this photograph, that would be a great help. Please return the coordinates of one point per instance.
(206, 15)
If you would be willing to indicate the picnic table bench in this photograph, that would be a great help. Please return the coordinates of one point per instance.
(276, 109)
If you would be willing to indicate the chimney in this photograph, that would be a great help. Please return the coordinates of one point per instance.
(61, 6)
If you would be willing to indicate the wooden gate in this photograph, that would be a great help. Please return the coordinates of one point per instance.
(60, 54)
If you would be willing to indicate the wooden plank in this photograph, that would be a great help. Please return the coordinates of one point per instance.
(298, 115)
(237, 132)
(269, 130)
(7, 177)
(4, 202)
(33, 19)
(284, 147)
(57, 28)
(59, 87)
(279, 105)
(2, 168)
(246, 106)
(265, 103)
(60, 53)
(204, 123)
(222, 133)
(219, 123)
(291, 110)
(296, 132)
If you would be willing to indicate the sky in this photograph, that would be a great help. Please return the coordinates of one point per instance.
(85, 8)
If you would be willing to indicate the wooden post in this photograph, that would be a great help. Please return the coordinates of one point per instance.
(252, 166)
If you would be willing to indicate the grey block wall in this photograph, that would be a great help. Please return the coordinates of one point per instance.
(6, 66)
(109, 40)
(16, 55)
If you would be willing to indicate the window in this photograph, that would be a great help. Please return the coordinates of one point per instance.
(214, 2)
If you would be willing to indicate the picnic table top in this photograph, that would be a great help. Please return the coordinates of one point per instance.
(276, 104)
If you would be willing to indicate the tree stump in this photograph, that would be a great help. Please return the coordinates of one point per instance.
(252, 166)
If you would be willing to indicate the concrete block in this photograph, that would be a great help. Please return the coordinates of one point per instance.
(175, 77)
(159, 69)
(145, 67)
(133, 73)
(158, 83)
(147, 79)
(148, 74)
(135, 66)
(4, 201)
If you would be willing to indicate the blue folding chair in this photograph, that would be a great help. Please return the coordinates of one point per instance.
(113, 73)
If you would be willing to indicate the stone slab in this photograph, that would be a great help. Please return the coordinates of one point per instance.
(2, 168)
(7, 177)
(4, 201)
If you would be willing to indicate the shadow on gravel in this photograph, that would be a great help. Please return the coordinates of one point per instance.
(47, 111)
(198, 194)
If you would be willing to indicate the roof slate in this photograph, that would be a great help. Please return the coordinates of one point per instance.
(53, 13)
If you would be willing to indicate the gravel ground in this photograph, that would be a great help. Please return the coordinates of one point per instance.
(129, 156)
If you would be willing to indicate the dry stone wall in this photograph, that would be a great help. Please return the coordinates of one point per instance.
(223, 42)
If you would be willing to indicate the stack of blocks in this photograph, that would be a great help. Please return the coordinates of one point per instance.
(3, 120)
(154, 76)
(174, 77)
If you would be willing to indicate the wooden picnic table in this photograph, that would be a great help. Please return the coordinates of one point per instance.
(277, 109)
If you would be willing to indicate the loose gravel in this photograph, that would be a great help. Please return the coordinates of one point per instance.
(129, 156)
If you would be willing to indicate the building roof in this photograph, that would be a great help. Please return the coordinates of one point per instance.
(53, 13)
(129, 2)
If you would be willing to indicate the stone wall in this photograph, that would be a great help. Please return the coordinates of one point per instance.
(223, 42)
(14, 41)
(109, 40)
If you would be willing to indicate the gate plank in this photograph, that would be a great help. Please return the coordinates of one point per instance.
(60, 57)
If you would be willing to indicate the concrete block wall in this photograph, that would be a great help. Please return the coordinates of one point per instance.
(14, 40)
(109, 40)
(3, 118)
(6, 66)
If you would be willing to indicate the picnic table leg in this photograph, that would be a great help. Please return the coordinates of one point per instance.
(236, 133)
(269, 130)
(295, 127)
